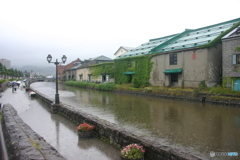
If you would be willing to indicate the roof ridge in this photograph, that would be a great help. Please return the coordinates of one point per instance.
(170, 40)
(154, 39)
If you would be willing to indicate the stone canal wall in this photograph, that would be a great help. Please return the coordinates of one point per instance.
(21, 141)
(221, 99)
(118, 136)
(3, 87)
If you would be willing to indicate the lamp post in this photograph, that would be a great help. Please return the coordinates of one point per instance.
(49, 59)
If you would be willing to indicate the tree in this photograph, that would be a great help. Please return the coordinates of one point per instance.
(3, 71)
(10, 72)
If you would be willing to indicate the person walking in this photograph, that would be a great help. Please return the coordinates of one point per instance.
(12, 85)
(15, 86)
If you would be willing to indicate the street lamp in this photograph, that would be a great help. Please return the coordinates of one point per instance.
(49, 59)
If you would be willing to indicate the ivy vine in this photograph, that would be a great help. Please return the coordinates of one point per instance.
(102, 68)
(228, 80)
(140, 65)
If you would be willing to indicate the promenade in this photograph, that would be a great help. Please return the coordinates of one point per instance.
(56, 130)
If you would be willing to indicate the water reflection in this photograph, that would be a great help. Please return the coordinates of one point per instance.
(196, 126)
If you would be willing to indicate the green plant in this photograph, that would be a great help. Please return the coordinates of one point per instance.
(226, 80)
(136, 83)
(222, 91)
(3, 81)
(202, 85)
(106, 86)
(35, 144)
(132, 151)
(102, 68)
(238, 49)
(195, 92)
(78, 83)
(140, 65)
(85, 127)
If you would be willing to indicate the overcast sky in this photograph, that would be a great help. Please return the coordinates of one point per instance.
(32, 29)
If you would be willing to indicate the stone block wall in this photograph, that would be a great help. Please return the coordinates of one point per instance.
(120, 137)
(22, 142)
(229, 48)
(4, 86)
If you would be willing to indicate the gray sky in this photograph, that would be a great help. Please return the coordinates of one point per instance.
(32, 29)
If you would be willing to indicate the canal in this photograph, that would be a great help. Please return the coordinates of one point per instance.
(197, 127)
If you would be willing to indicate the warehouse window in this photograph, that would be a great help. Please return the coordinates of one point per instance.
(236, 59)
(173, 59)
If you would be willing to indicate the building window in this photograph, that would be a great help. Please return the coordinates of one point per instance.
(236, 58)
(81, 77)
(89, 77)
(173, 59)
(129, 64)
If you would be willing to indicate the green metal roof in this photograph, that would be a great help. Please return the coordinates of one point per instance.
(145, 48)
(179, 70)
(190, 38)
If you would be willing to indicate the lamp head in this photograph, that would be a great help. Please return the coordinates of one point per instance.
(49, 58)
(64, 59)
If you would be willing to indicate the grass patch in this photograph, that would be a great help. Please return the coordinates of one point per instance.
(221, 90)
(175, 91)
(34, 144)
(224, 98)
(106, 86)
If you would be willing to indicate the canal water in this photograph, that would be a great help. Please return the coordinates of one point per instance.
(199, 128)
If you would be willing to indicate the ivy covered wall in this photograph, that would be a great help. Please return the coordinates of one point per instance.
(102, 68)
(228, 81)
(140, 65)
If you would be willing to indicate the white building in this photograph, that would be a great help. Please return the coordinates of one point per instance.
(122, 50)
(5, 63)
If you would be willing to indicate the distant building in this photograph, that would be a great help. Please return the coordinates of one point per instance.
(231, 60)
(122, 50)
(61, 72)
(62, 69)
(81, 71)
(49, 77)
(71, 72)
(5, 63)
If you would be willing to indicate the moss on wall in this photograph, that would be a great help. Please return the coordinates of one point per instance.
(228, 80)
(102, 68)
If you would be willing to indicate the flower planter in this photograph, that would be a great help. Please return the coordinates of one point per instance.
(85, 134)
(133, 151)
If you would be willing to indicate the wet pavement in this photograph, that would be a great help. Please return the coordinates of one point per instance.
(57, 130)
